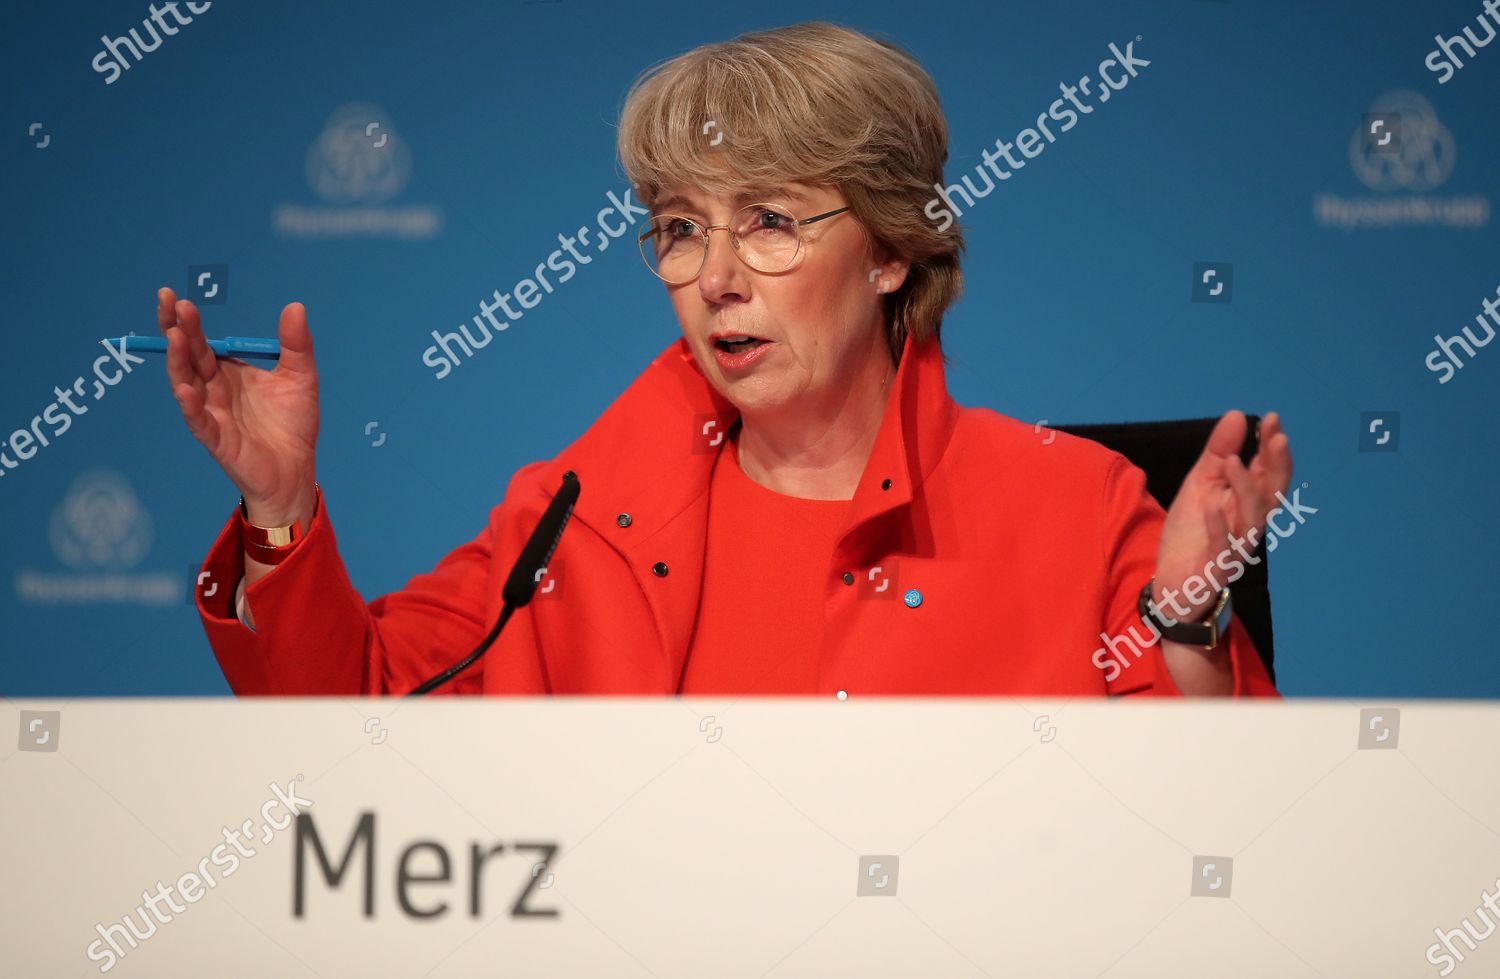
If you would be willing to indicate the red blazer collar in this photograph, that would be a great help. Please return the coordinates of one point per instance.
(650, 454)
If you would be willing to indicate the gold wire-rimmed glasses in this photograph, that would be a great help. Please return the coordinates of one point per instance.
(766, 237)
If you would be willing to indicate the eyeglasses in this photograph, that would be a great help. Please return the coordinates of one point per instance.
(766, 237)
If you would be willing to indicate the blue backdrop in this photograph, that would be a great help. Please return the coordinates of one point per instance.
(243, 143)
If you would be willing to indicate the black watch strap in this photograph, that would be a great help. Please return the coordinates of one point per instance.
(1207, 633)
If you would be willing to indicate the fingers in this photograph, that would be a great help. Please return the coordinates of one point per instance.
(187, 387)
(191, 392)
(1226, 439)
(166, 309)
(179, 370)
(194, 407)
(200, 355)
(179, 321)
(200, 421)
(181, 315)
(1272, 465)
(1228, 435)
(296, 341)
(166, 320)
(1248, 504)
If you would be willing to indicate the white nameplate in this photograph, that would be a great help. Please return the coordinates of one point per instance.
(750, 837)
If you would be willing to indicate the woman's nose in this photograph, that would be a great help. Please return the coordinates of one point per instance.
(724, 275)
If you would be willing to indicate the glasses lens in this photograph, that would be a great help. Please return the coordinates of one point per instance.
(768, 237)
(673, 247)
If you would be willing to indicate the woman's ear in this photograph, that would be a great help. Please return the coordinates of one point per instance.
(889, 276)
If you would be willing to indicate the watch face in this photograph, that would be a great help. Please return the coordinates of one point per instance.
(1225, 613)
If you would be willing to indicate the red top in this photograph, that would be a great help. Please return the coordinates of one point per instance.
(760, 617)
(978, 557)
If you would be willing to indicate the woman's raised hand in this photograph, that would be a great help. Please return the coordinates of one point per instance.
(260, 426)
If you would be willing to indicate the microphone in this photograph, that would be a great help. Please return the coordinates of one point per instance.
(521, 584)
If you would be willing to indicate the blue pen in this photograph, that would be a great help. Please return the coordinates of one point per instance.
(249, 348)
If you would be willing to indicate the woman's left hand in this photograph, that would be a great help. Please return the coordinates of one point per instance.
(1220, 501)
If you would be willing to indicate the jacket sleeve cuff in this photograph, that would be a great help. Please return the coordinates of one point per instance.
(1250, 677)
(306, 603)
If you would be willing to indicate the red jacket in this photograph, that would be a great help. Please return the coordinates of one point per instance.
(1027, 552)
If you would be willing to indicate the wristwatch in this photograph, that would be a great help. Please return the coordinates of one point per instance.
(272, 545)
(1205, 633)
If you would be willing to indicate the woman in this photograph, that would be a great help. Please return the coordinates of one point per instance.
(786, 500)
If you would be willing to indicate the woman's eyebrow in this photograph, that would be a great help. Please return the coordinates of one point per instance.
(764, 193)
(750, 196)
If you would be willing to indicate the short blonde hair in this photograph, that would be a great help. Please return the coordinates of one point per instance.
(812, 103)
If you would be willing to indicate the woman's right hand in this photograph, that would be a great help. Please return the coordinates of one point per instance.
(260, 426)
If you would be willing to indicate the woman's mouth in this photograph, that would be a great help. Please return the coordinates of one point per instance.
(738, 344)
(739, 352)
